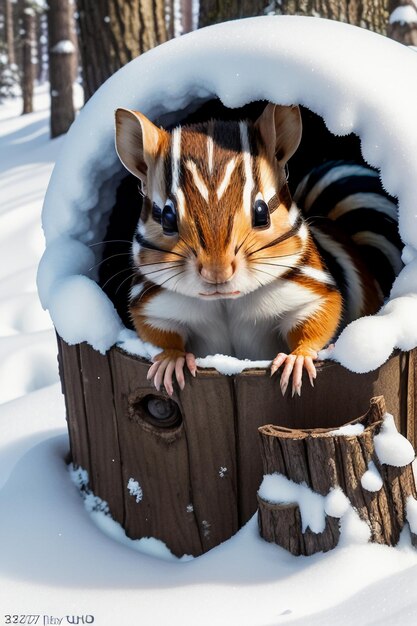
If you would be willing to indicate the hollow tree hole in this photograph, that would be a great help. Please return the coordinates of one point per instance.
(158, 411)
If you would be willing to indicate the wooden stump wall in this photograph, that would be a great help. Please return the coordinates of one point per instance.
(200, 472)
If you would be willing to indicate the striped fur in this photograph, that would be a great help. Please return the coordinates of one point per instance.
(222, 285)
(354, 224)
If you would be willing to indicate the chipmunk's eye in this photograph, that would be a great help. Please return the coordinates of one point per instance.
(261, 218)
(169, 219)
(156, 213)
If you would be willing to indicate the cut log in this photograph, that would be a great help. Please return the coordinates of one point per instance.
(325, 459)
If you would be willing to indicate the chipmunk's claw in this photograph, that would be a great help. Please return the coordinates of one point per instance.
(162, 371)
(294, 366)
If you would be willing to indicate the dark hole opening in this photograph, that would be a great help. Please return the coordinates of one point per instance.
(158, 411)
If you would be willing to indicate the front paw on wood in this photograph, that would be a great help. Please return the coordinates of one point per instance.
(168, 362)
(294, 364)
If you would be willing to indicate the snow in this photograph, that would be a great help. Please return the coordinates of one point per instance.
(135, 489)
(412, 513)
(371, 479)
(391, 447)
(336, 503)
(63, 47)
(229, 365)
(348, 430)
(278, 489)
(260, 58)
(128, 341)
(405, 14)
(59, 559)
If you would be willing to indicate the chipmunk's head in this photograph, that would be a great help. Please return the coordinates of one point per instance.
(217, 219)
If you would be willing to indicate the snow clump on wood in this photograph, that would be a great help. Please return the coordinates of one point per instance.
(391, 447)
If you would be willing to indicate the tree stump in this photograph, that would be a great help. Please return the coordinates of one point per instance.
(366, 465)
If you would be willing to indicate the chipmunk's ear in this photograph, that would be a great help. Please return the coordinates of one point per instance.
(280, 128)
(138, 141)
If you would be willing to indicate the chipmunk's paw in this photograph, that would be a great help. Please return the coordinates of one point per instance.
(168, 362)
(294, 364)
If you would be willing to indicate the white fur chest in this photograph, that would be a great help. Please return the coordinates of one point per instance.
(246, 327)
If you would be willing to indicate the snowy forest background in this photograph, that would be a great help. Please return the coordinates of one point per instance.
(86, 41)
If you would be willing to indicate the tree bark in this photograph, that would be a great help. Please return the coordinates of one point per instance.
(28, 68)
(9, 27)
(186, 16)
(402, 31)
(215, 11)
(113, 32)
(170, 18)
(371, 14)
(323, 461)
(61, 61)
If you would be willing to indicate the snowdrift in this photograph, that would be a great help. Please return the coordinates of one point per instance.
(355, 80)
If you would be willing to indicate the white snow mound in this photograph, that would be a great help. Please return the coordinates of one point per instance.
(338, 71)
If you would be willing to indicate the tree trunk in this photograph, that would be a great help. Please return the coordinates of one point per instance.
(28, 68)
(355, 463)
(400, 27)
(170, 18)
(371, 14)
(42, 48)
(9, 27)
(215, 11)
(186, 16)
(61, 59)
(113, 32)
(74, 39)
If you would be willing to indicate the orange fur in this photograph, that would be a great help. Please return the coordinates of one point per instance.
(310, 336)
(170, 341)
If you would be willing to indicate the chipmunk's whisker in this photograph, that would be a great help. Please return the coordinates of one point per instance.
(153, 285)
(162, 269)
(171, 277)
(125, 269)
(276, 256)
(274, 264)
(242, 242)
(269, 273)
(148, 245)
(130, 277)
(108, 259)
(101, 243)
(159, 263)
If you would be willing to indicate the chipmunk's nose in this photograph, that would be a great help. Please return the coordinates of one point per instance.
(217, 274)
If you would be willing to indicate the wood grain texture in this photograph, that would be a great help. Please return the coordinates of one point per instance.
(199, 478)
(208, 413)
(73, 388)
(274, 518)
(104, 447)
(158, 460)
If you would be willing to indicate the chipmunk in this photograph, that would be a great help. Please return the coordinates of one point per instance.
(224, 260)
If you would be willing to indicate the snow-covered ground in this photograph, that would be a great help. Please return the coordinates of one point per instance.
(55, 561)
